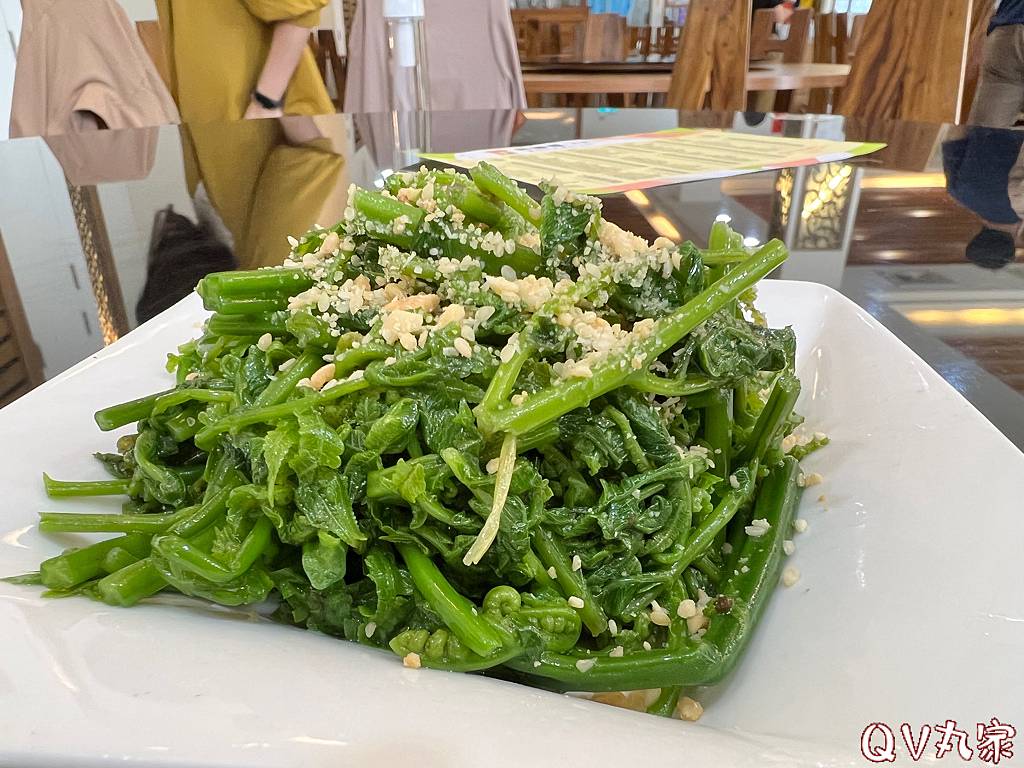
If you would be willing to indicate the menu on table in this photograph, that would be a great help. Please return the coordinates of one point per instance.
(644, 160)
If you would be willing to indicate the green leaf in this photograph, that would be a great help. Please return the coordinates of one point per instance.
(391, 431)
(594, 440)
(448, 425)
(648, 426)
(252, 377)
(323, 560)
(323, 498)
(278, 445)
(563, 228)
(309, 330)
(729, 347)
(319, 445)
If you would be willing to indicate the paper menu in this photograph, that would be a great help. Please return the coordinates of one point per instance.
(641, 161)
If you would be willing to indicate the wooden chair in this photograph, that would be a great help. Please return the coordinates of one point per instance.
(662, 41)
(21, 364)
(793, 48)
(668, 39)
(605, 38)
(831, 38)
(712, 59)
(910, 63)
(550, 32)
(857, 34)
(832, 41)
(640, 41)
(325, 51)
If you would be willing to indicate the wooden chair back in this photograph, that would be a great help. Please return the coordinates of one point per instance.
(544, 32)
(835, 42)
(793, 48)
(910, 62)
(606, 38)
(712, 59)
(662, 41)
(153, 41)
(21, 365)
(640, 41)
(329, 61)
(831, 38)
(856, 34)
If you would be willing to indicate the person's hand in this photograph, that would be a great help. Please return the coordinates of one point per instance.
(783, 12)
(257, 111)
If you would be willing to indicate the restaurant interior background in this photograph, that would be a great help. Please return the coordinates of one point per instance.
(895, 240)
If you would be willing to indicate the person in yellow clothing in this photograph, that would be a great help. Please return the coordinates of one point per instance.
(230, 59)
(253, 183)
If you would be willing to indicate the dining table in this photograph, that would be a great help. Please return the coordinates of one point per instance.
(656, 77)
(104, 236)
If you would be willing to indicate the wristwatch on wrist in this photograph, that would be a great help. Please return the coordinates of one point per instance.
(265, 101)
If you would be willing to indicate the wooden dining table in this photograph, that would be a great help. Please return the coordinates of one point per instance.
(655, 77)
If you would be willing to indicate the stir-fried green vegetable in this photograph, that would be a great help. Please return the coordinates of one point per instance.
(485, 432)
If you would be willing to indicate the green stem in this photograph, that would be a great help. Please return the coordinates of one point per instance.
(57, 489)
(70, 522)
(384, 210)
(219, 287)
(500, 387)
(492, 181)
(718, 430)
(636, 453)
(131, 584)
(119, 557)
(181, 396)
(280, 388)
(268, 414)
(778, 408)
(245, 325)
(711, 659)
(190, 557)
(705, 533)
(195, 519)
(252, 306)
(458, 613)
(80, 565)
(568, 394)
(572, 582)
(665, 704)
(645, 381)
(471, 203)
(128, 413)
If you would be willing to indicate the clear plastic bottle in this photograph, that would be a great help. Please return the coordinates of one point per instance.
(409, 86)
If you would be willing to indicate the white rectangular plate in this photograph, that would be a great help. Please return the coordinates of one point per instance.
(909, 608)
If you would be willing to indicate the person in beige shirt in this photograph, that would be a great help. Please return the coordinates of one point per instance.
(82, 66)
(472, 58)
